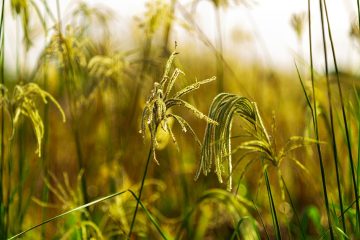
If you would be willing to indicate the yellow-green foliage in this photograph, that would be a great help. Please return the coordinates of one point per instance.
(23, 102)
(111, 85)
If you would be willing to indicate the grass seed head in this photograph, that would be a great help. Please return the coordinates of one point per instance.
(157, 109)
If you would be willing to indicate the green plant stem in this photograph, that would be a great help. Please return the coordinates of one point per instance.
(44, 166)
(293, 207)
(261, 219)
(219, 53)
(315, 123)
(2, 143)
(348, 141)
(9, 197)
(272, 206)
(75, 129)
(140, 191)
(167, 30)
(358, 12)
(138, 84)
(332, 128)
(68, 212)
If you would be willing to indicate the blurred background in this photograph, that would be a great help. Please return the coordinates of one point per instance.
(100, 59)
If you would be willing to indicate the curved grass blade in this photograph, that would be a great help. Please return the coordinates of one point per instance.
(69, 212)
(217, 139)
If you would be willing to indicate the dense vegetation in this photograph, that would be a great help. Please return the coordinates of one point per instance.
(147, 139)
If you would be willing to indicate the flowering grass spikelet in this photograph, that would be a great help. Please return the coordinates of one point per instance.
(156, 111)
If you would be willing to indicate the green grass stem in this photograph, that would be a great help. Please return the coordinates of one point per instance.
(2, 143)
(69, 82)
(315, 123)
(140, 191)
(302, 231)
(67, 213)
(219, 53)
(272, 207)
(348, 141)
(332, 128)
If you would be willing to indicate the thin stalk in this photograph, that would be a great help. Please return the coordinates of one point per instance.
(358, 11)
(75, 129)
(315, 123)
(348, 141)
(140, 191)
(44, 167)
(332, 128)
(261, 220)
(21, 177)
(358, 135)
(293, 207)
(167, 30)
(358, 156)
(21, 138)
(9, 196)
(219, 53)
(272, 207)
(68, 212)
(138, 84)
(2, 143)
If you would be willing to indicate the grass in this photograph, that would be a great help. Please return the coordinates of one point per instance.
(256, 147)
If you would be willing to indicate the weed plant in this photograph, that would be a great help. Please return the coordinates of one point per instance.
(279, 150)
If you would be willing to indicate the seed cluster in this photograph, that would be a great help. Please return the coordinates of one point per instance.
(156, 111)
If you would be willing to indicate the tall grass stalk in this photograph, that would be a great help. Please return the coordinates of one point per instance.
(219, 53)
(140, 191)
(316, 129)
(138, 84)
(358, 12)
(272, 206)
(358, 146)
(2, 143)
(332, 128)
(21, 164)
(148, 214)
(358, 155)
(261, 220)
(44, 164)
(69, 82)
(168, 28)
(302, 231)
(348, 140)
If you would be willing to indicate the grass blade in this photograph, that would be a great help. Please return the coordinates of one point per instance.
(140, 191)
(2, 143)
(348, 141)
(272, 206)
(293, 207)
(68, 212)
(315, 123)
(148, 214)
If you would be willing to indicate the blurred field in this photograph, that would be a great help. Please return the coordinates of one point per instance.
(49, 167)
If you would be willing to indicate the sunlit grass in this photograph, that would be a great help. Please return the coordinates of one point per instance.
(278, 149)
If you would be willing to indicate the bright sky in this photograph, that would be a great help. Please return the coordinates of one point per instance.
(265, 23)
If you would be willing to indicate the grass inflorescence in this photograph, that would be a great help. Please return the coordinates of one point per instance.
(280, 159)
